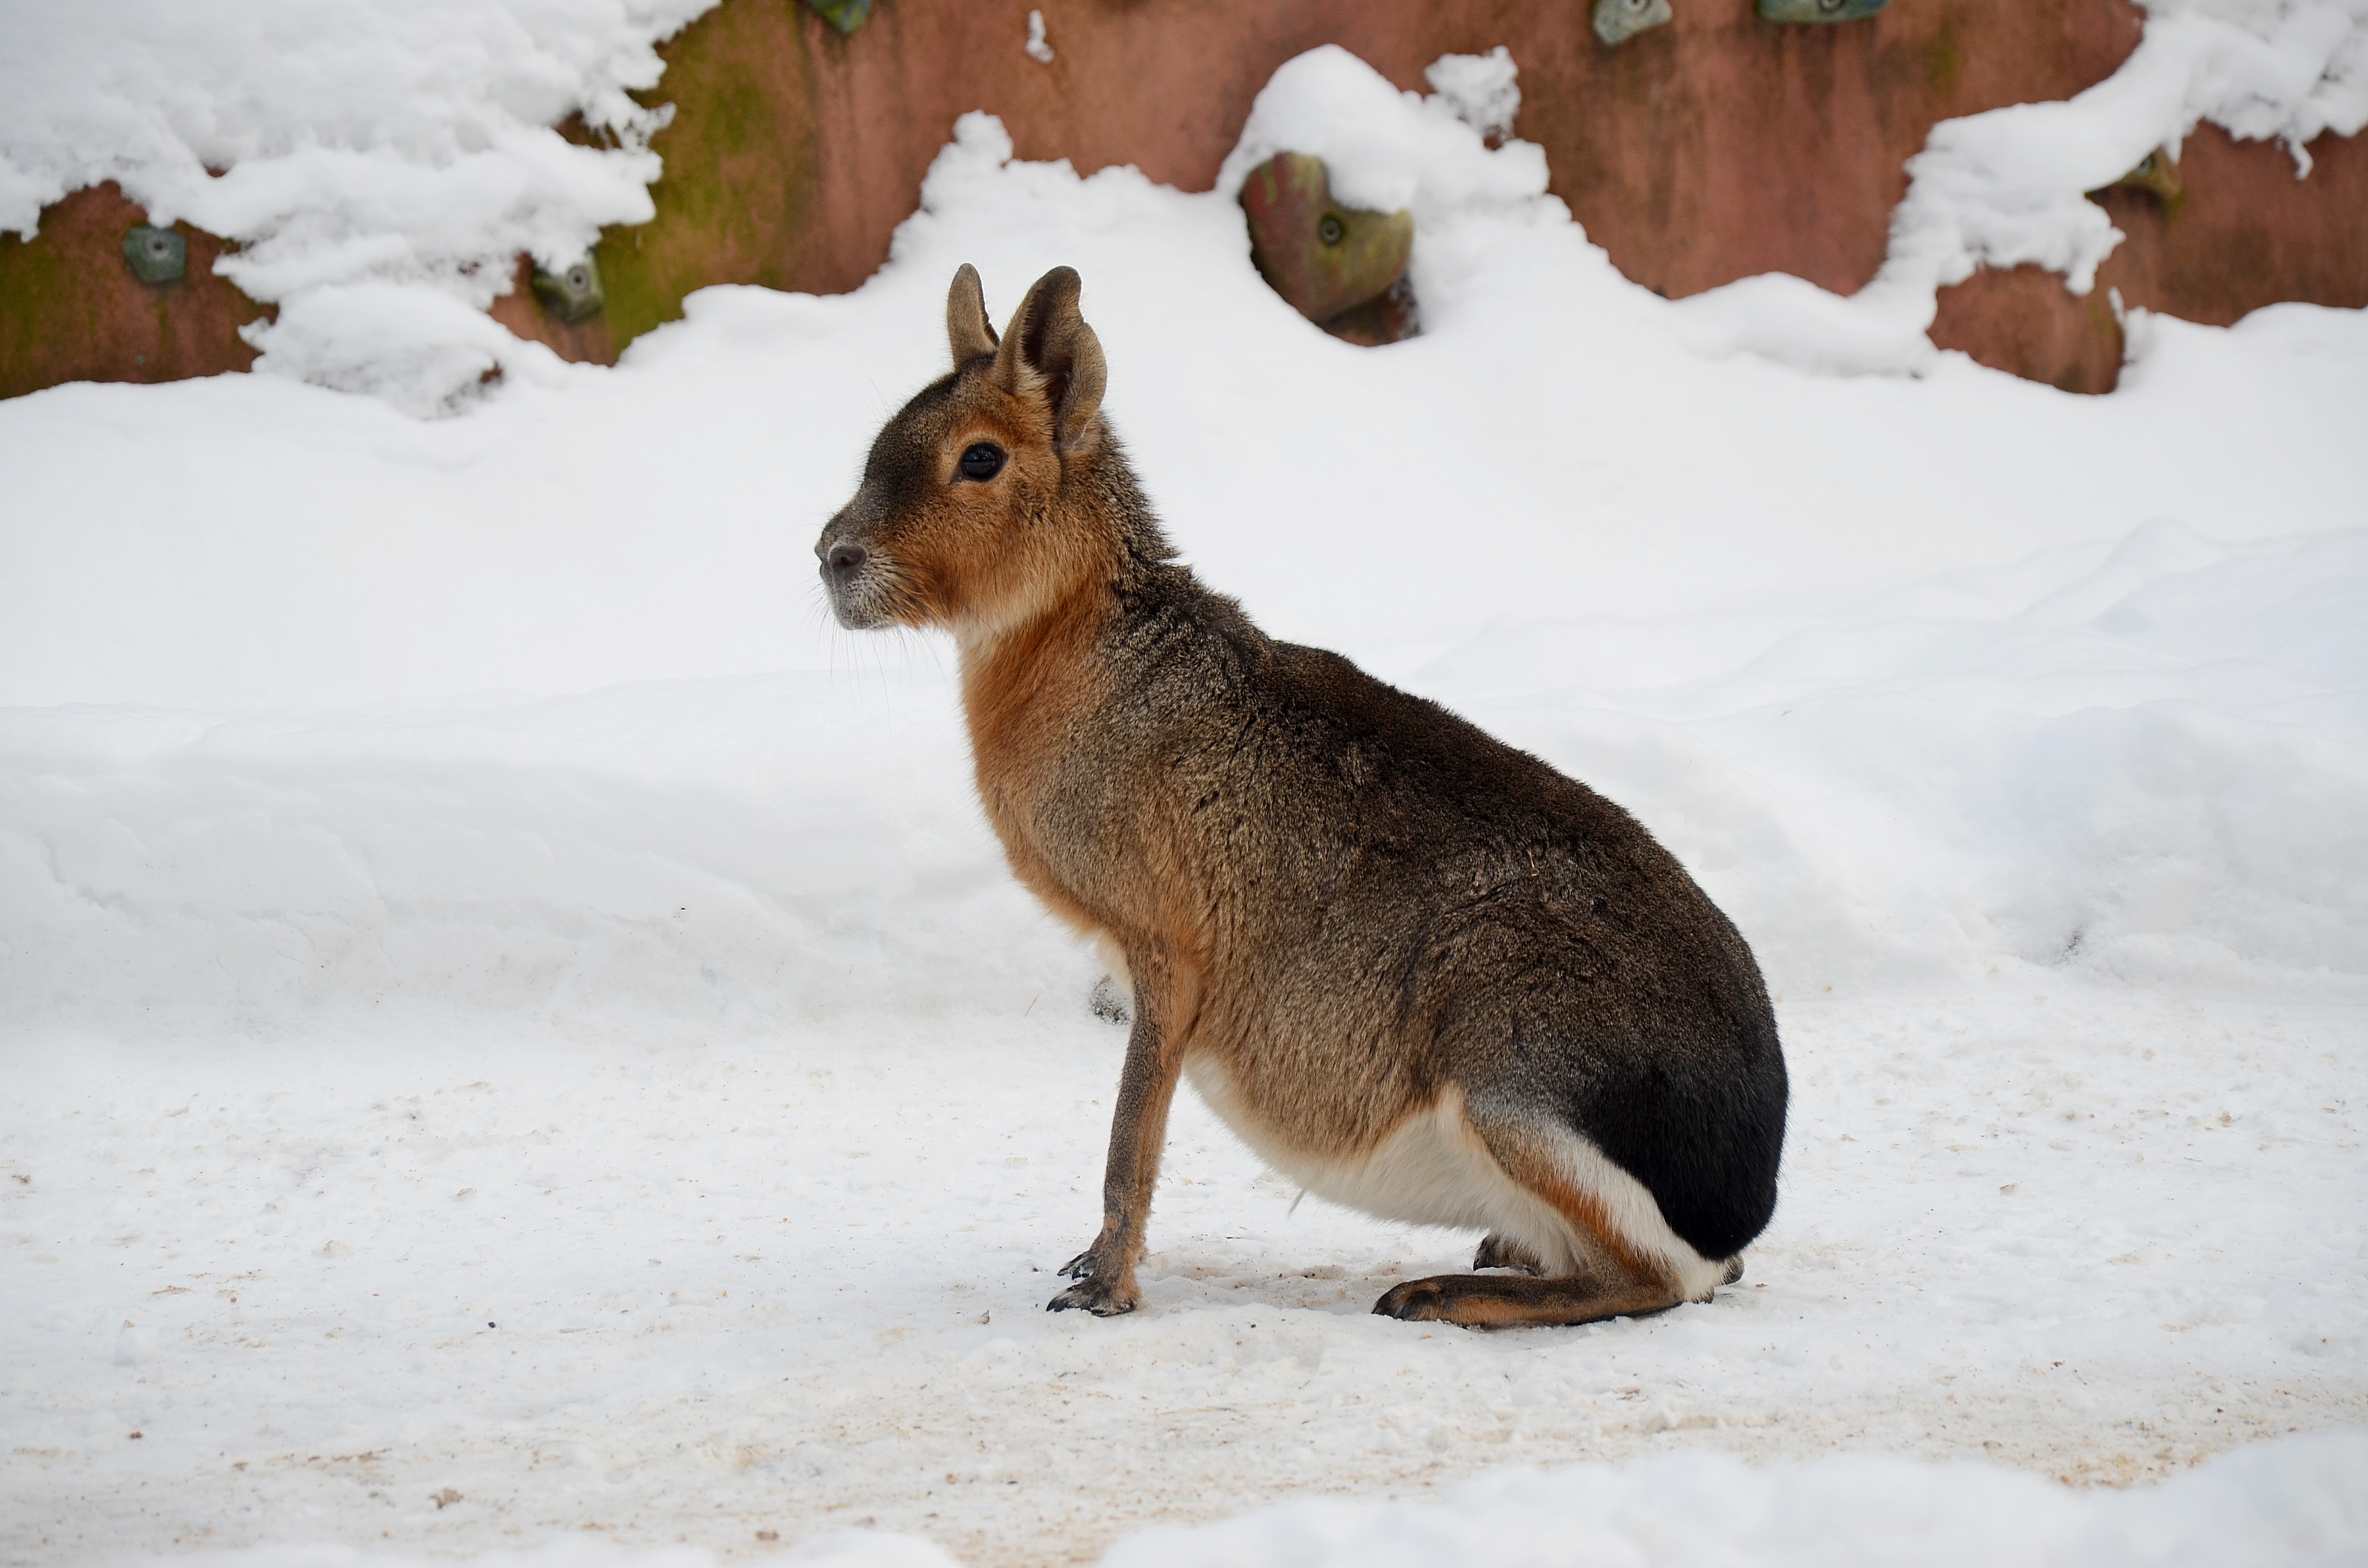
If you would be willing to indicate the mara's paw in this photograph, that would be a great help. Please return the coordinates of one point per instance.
(1496, 1252)
(1417, 1300)
(1733, 1269)
(1078, 1267)
(1103, 1297)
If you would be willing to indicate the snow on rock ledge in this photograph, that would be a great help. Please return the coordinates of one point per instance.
(380, 164)
(2008, 188)
(1388, 151)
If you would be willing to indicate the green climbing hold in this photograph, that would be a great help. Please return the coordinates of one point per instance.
(2156, 172)
(157, 256)
(1818, 10)
(1617, 21)
(845, 15)
(1325, 259)
(572, 293)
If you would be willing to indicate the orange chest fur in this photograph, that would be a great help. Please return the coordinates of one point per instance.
(1026, 713)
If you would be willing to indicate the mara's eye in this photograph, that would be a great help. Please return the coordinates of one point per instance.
(983, 460)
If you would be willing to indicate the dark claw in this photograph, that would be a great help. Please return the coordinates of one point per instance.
(1096, 1301)
(1078, 1267)
(1417, 1300)
(1496, 1252)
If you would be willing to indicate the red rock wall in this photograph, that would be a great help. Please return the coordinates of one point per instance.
(2242, 232)
(1712, 149)
(71, 310)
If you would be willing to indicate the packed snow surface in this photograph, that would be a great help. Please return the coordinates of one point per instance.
(2301, 1500)
(515, 1027)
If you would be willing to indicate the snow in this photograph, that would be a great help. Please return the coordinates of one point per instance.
(2299, 1502)
(514, 1027)
(1483, 89)
(2005, 189)
(669, 1281)
(1387, 151)
(380, 164)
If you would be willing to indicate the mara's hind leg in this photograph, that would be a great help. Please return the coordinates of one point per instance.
(1492, 1300)
(1590, 1233)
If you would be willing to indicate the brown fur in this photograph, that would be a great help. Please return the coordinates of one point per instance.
(1487, 1300)
(1390, 948)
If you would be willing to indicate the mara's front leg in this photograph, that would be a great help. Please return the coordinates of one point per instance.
(1164, 1003)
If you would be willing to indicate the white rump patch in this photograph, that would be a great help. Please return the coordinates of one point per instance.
(1434, 1169)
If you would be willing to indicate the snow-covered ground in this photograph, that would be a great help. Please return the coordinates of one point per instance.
(514, 1028)
(691, 1282)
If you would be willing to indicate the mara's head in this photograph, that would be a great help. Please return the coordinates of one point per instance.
(986, 499)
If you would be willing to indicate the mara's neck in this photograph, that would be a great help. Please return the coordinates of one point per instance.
(1021, 677)
(1028, 671)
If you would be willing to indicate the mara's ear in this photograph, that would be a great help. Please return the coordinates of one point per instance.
(966, 324)
(1048, 351)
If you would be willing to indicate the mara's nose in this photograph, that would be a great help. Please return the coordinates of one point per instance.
(845, 560)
